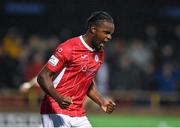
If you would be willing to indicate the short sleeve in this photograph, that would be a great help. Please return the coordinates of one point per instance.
(60, 57)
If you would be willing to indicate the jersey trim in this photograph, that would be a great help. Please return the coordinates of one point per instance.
(59, 77)
(85, 44)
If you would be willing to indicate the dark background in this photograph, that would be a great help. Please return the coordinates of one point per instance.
(49, 17)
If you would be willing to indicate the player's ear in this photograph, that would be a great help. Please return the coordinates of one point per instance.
(93, 29)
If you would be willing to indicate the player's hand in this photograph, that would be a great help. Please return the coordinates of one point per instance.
(25, 87)
(65, 101)
(108, 106)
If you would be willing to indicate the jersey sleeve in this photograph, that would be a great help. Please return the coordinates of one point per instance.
(60, 57)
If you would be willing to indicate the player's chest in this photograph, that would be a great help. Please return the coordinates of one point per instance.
(87, 61)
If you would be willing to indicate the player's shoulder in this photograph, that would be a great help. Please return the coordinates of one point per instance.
(69, 42)
(67, 45)
(74, 39)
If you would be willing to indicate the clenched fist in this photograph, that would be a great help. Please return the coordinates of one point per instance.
(108, 106)
(64, 102)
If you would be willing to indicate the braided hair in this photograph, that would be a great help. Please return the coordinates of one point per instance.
(97, 17)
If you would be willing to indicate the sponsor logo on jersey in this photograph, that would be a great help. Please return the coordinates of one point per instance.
(84, 68)
(83, 56)
(53, 60)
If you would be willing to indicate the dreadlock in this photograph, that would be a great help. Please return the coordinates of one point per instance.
(98, 16)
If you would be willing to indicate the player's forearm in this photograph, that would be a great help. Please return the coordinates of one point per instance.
(94, 94)
(45, 81)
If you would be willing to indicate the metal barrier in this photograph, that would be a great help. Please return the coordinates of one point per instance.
(20, 120)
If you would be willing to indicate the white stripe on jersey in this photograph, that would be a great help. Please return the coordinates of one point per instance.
(59, 77)
(85, 44)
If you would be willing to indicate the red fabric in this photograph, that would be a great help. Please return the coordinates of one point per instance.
(77, 66)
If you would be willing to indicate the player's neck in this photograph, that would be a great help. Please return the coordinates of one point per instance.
(88, 40)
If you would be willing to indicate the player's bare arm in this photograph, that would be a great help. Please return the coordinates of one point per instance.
(45, 81)
(107, 105)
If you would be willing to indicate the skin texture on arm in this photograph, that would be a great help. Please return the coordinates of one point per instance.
(45, 82)
(107, 105)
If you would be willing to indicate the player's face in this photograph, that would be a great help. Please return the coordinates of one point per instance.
(102, 33)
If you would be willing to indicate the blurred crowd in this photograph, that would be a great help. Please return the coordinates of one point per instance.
(21, 58)
(150, 62)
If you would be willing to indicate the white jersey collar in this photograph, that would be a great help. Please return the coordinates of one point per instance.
(85, 44)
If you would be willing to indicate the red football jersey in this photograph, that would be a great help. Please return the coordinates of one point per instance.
(75, 64)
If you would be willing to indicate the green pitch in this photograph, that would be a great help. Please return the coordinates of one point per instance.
(134, 121)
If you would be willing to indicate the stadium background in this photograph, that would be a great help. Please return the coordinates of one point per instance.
(141, 71)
